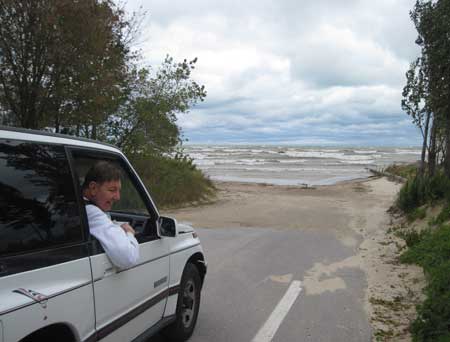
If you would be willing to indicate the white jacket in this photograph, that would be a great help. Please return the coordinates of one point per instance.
(121, 248)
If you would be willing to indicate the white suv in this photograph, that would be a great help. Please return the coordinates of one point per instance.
(56, 283)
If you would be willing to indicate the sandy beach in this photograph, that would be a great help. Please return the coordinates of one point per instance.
(354, 212)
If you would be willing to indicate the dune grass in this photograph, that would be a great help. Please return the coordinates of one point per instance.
(174, 181)
(429, 249)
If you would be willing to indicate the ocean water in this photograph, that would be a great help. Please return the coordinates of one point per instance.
(290, 165)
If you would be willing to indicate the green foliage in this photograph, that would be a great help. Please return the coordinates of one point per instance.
(443, 216)
(419, 190)
(440, 186)
(416, 214)
(432, 249)
(146, 122)
(62, 62)
(407, 171)
(173, 181)
(67, 66)
(426, 98)
(426, 95)
(433, 321)
(411, 237)
(414, 193)
(432, 252)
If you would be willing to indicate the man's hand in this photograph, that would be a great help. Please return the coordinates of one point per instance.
(128, 229)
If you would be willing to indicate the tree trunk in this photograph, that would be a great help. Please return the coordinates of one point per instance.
(57, 123)
(447, 149)
(424, 145)
(432, 150)
(94, 132)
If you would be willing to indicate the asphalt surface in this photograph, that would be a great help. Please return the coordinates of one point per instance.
(251, 269)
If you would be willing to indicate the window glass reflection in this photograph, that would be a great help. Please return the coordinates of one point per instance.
(37, 201)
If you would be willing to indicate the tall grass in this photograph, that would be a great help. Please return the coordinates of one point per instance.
(407, 171)
(432, 252)
(430, 249)
(173, 181)
(420, 190)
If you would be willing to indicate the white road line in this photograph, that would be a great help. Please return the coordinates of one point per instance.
(268, 330)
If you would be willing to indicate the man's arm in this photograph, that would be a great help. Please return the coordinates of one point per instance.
(119, 244)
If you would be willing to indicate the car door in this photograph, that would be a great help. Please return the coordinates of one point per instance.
(45, 273)
(129, 301)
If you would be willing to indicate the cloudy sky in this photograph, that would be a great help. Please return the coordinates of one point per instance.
(321, 72)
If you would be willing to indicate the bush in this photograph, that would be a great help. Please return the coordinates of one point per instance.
(440, 186)
(422, 189)
(418, 213)
(411, 237)
(407, 171)
(443, 216)
(432, 249)
(173, 181)
(414, 193)
(432, 252)
(433, 321)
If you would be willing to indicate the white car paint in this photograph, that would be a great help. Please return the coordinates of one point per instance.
(75, 306)
(89, 293)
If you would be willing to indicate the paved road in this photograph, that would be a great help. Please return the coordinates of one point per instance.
(249, 272)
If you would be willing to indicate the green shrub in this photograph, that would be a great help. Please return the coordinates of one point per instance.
(440, 186)
(173, 181)
(433, 315)
(432, 249)
(418, 213)
(422, 189)
(414, 193)
(432, 252)
(411, 237)
(407, 171)
(443, 216)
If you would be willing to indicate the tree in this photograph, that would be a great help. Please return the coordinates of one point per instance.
(414, 104)
(426, 96)
(147, 120)
(68, 65)
(61, 62)
(436, 31)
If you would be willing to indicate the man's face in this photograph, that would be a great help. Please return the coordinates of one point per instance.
(105, 194)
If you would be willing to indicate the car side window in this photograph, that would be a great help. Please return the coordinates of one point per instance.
(38, 206)
(132, 206)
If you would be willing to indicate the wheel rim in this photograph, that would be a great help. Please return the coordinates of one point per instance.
(189, 301)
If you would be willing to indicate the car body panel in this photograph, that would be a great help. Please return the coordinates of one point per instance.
(69, 298)
(131, 288)
(182, 248)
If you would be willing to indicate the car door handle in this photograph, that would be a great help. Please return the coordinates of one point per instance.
(109, 271)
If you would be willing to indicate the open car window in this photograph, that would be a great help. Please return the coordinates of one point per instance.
(132, 206)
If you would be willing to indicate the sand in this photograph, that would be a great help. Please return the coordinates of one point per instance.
(356, 213)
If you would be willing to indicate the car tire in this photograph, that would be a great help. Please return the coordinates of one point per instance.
(187, 306)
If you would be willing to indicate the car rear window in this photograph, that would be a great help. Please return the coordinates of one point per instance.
(38, 207)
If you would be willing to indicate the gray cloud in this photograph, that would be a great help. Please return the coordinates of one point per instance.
(290, 70)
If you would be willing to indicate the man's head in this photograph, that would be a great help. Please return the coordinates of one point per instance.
(102, 185)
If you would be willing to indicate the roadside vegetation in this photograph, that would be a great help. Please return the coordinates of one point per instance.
(425, 197)
(72, 67)
(425, 201)
(174, 182)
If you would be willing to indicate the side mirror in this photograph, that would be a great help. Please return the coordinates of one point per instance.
(167, 226)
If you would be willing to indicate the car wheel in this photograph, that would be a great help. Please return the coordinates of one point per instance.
(187, 306)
